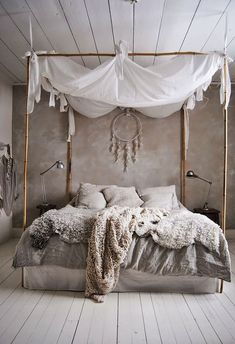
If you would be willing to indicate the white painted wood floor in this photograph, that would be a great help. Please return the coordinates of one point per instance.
(66, 317)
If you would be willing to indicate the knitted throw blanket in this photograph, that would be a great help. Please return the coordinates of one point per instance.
(109, 243)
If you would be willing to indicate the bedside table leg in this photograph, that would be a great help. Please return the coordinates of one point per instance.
(221, 286)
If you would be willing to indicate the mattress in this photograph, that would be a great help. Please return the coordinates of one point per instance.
(59, 278)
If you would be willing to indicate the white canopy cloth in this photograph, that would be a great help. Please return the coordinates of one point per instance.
(156, 91)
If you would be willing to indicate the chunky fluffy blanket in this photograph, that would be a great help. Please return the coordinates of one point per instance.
(109, 243)
(109, 235)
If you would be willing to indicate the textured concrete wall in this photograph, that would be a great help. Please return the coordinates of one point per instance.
(6, 137)
(158, 163)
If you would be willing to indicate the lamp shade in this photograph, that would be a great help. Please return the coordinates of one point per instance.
(59, 164)
(191, 174)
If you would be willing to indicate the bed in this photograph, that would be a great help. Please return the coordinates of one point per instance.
(149, 265)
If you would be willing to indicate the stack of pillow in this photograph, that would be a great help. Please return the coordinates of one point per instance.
(101, 196)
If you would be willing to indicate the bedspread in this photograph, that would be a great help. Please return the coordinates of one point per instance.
(143, 255)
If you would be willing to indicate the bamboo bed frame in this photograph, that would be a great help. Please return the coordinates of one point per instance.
(183, 142)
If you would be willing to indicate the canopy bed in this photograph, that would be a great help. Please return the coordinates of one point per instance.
(154, 91)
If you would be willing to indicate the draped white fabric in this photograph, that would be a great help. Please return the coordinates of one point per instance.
(156, 91)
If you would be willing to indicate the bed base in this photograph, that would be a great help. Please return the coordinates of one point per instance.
(59, 278)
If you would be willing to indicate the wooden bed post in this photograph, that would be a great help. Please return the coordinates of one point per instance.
(225, 171)
(69, 169)
(26, 151)
(183, 158)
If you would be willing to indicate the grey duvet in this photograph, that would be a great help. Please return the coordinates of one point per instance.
(144, 255)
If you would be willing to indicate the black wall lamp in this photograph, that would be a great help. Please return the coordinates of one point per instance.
(191, 174)
(59, 164)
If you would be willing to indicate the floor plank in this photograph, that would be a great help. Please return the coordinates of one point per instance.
(177, 326)
(46, 329)
(150, 322)
(166, 331)
(98, 322)
(219, 327)
(31, 325)
(70, 325)
(9, 285)
(201, 320)
(16, 317)
(187, 319)
(130, 319)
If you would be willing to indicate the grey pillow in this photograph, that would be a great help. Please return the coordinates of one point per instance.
(90, 196)
(159, 190)
(160, 200)
(122, 196)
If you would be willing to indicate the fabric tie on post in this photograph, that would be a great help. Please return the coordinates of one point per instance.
(52, 98)
(199, 94)
(225, 83)
(186, 132)
(63, 102)
(71, 129)
(191, 102)
(122, 53)
(34, 87)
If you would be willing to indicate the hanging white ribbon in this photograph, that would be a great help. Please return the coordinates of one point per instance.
(199, 94)
(63, 102)
(71, 120)
(191, 102)
(225, 87)
(186, 130)
(34, 86)
(122, 53)
(52, 98)
(30, 33)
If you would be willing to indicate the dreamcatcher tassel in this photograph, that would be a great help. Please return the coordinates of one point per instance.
(134, 150)
(118, 151)
(126, 156)
(140, 139)
(112, 147)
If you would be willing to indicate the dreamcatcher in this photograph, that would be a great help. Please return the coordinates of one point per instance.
(125, 149)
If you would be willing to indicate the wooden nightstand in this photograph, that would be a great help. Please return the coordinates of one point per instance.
(212, 213)
(45, 207)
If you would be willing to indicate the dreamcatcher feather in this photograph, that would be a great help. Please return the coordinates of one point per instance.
(126, 149)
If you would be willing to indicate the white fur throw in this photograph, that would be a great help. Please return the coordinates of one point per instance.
(184, 228)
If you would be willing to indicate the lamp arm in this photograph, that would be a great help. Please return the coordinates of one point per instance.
(48, 169)
(207, 198)
(205, 180)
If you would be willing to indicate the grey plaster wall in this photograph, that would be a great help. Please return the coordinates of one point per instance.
(158, 163)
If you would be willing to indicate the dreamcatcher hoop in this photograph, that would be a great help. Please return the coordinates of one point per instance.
(126, 148)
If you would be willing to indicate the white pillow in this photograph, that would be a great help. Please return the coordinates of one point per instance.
(159, 190)
(122, 196)
(159, 200)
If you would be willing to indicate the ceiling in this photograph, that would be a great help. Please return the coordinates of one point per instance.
(74, 26)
